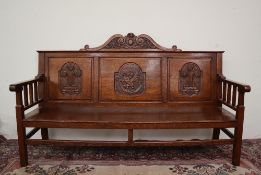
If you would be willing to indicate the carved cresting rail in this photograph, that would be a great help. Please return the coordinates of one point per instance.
(130, 82)
(130, 41)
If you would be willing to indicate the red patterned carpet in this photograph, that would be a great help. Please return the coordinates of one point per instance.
(2, 139)
(251, 155)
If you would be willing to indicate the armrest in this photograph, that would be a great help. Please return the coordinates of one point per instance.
(231, 93)
(242, 87)
(19, 86)
(27, 92)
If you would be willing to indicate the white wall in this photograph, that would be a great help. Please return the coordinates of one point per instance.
(30, 25)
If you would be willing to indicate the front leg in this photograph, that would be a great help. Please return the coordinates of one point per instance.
(44, 133)
(216, 133)
(22, 145)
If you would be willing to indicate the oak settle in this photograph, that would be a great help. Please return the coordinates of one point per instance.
(130, 82)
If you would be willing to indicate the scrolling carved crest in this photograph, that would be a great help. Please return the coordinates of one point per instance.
(70, 79)
(190, 77)
(129, 80)
(130, 42)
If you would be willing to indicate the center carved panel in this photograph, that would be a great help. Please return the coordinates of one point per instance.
(70, 79)
(190, 79)
(129, 80)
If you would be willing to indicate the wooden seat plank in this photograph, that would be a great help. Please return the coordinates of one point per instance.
(65, 117)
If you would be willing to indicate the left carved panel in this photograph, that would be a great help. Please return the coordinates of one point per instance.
(70, 78)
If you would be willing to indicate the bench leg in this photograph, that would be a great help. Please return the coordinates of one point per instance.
(22, 146)
(216, 132)
(237, 146)
(44, 133)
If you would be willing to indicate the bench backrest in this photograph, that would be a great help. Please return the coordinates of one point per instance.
(130, 70)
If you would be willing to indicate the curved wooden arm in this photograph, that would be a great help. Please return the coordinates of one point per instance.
(242, 87)
(19, 86)
(27, 92)
(231, 93)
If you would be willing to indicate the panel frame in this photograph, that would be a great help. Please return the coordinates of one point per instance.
(212, 78)
(130, 101)
(47, 76)
(97, 55)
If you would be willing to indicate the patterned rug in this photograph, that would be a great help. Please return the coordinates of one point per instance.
(54, 155)
(63, 169)
(2, 139)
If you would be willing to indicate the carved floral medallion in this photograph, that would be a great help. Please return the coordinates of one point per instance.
(129, 80)
(190, 77)
(70, 79)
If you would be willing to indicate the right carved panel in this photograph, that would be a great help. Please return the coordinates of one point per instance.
(189, 79)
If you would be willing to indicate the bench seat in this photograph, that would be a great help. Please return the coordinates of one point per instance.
(74, 116)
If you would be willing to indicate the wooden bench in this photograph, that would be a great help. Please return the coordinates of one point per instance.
(130, 82)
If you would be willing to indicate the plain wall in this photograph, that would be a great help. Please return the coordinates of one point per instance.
(30, 25)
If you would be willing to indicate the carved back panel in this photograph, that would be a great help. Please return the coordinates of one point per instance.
(129, 80)
(190, 79)
(130, 70)
(70, 79)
